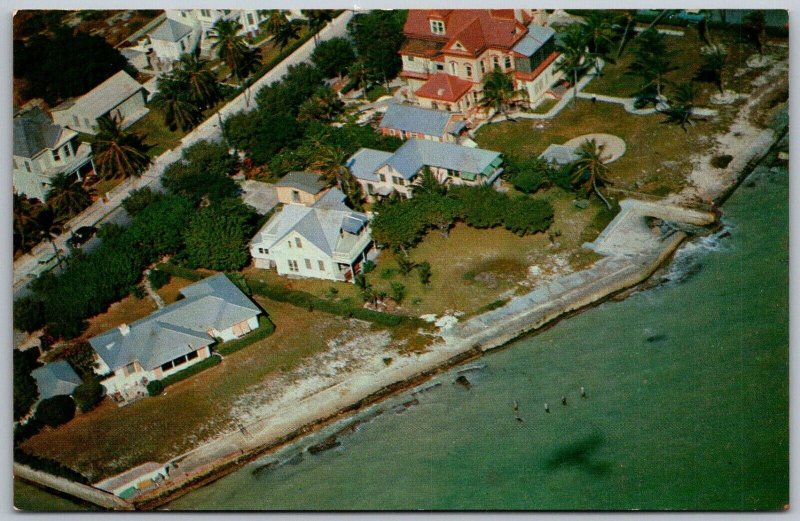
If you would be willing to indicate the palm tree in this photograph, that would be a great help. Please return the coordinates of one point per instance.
(599, 36)
(573, 50)
(201, 84)
(288, 32)
(754, 26)
(499, 91)
(681, 105)
(332, 162)
(67, 197)
(25, 223)
(231, 47)
(276, 18)
(118, 153)
(629, 17)
(324, 105)
(710, 70)
(652, 61)
(173, 99)
(359, 76)
(316, 20)
(590, 169)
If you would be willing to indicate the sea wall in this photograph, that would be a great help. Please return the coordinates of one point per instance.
(92, 495)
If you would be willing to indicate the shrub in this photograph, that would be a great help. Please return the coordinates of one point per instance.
(158, 278)
(138, 292)
(367, 267)
(81, 357)
(88, 395)
(398, 291)
(424, 271)
(721, 161)
(26, 391)
(48, 465)
(179, 271)
(29, 314)
(155, 387)
(56, 411)
(140, 199)
(388, 273)
(189, 371)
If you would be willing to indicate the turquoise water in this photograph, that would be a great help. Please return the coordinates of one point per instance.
(686, 407)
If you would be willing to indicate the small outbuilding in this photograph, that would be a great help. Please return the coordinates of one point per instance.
(304, 188)
(55, 379)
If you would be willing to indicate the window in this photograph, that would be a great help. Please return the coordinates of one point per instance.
(495, 62)
(76, 120)
(57, 155)
(295, 196)
(410, 58)
(250, 19)
(293, 265)
(437, 27)
(308, 264)
(370, 188)
(483, 66)
(440, 66)
(434, 105)
(86, 122)
(192, 355)
(508, 62)
(67, 151)
(166, 367)
(453, 67)
(205, 12)
(180, 360)
(28, 166)
(398, 180)
(130, 368)
(321, 266)
(468, 68)
(183, 45)
(382, 178)
(261, 250)
(298, 242)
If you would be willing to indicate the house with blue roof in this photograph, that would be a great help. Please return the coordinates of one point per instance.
(173, 338)
(381, 173)
(326, 240)
(408, 121)
(56, 379)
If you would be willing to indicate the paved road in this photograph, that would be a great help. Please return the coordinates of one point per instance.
(29, 266)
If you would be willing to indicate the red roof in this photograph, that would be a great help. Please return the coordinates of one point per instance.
(444, 87)
(475, 29)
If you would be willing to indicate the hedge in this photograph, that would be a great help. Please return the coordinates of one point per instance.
(310, 302)
(179, 271)
(265, 328)
(48, 465)
(191, 370)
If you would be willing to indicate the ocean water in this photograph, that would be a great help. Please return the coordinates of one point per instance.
(686, 403)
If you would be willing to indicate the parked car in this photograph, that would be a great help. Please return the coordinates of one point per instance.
(81, 235)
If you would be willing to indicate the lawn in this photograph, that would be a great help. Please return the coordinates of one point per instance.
(169, 292)
(686, 58)
(655, 160)
(155, 133)
(102, 442)
(125, 311)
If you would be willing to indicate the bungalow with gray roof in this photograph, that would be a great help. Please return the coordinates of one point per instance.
(380, 173)
(119, 97)
(327, 240)
(408, 121)
(174, 337)
(42, 150)
(300, 188)
(55, 379)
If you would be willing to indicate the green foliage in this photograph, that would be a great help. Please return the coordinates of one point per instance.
(29, 314)
(202, 173)
(285, 96)
(55, 411)
(138, 292)
(481, 207)
(333, 57)
(158, 278)
(261, 135)
(190, 371)
(157, 229)
(240, 281)
(378, 36)
(367, 267)
(424, 271)
(265, 328)
(48, 465)
(179, 271)
(530, 174)
(140, 199)
(81, 357)
(528, 216)
(405, 264)
(155, 387)
(398, 291)
(25, 390)
(79, 60)
(217, 236)
(305, 300)
(88, 395)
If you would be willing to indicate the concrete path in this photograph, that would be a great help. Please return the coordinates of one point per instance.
(627, 103)
(29, 266)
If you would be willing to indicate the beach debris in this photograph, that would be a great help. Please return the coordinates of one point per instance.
(462, 381)
(583, 392)
(430, 317)
(328, 443)
(261, 469)
(546, 407)
(581, 203)
(472, 368)
(446, 322)
(563, 400)
(534, 271)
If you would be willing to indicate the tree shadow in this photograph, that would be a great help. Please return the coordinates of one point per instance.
(580, 454)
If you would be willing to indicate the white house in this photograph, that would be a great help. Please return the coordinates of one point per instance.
(327, 240)
(119, 97)
(174, 337)
(42, 150)
(381, 173)
(172, 38)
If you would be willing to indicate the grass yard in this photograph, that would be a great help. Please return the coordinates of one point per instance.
(655, 160)
(155, 133)
(687, 58)
(125, 311)
(102, 442)
(544, 107)
(169, 292)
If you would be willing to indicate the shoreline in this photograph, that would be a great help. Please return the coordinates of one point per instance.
(230, 452)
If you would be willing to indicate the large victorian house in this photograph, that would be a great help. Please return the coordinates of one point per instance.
(448, 52)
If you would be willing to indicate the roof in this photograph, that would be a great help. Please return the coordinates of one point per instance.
(537, 36)
(423, 121)
(34, 132)
(55, 379)
(306, 181)
(101, 99)
(177, 329)
(320, 225)
(365, 162)
(418, 153)
(170, 30)
(559, 154)
(475, 29)
(129, 476)
(444, 87)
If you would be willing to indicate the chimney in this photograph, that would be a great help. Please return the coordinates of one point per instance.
(124, 329)
(440, 92)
